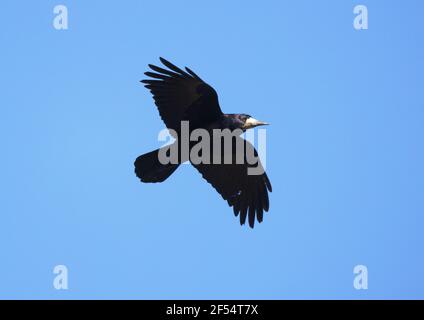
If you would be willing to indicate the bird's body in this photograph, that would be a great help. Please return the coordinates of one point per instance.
(182, 97)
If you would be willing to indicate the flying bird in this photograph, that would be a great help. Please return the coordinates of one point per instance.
(181, 95)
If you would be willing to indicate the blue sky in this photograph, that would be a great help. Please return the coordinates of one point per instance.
(344, 151)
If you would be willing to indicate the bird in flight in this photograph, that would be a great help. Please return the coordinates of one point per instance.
(181, 95)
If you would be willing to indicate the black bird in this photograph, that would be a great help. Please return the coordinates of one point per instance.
(182, 96)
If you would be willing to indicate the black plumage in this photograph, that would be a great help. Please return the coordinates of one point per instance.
(181, 95)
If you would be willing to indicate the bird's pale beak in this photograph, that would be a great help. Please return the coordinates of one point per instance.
(252, 122)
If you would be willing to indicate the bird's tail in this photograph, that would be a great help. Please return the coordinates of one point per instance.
(149, 169)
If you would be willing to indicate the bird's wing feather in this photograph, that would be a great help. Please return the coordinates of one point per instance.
(182, 96)
(247, 194)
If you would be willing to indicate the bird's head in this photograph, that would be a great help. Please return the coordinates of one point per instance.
(246, 122)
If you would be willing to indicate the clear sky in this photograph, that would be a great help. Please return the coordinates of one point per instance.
(345, 150)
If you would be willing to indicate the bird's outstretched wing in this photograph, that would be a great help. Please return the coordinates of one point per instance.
(247, 194)
(182, 95)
